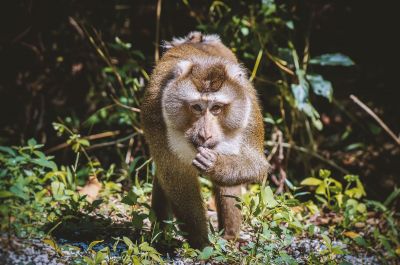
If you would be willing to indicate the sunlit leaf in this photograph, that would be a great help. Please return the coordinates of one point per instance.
(332, 59)
(268, 197)
(311, 182)
(92, 244)
(351, 234)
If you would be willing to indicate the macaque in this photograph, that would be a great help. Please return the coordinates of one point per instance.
(200, 115)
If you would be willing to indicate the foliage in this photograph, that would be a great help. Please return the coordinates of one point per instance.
(34, 190)
(39, 197)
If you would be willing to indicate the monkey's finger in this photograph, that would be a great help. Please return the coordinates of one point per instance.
(211, 155)
(199, 165)
(207, 153)
(204, 160)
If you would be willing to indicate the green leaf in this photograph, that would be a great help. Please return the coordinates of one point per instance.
(332, 59)
(311, 182)
(361, 241)
(45, 163)
(101, 255)
(300, 93)
(324, 173)
(268, 197)
(127, 241)
(392, 197)
(57, 189)
(50, 241)
(18, 190)
(321, 189)
(8, 150)
(5, 194)
(320, 86)
(130, 198)
(32, 142)
(92, 244)
(206, 253)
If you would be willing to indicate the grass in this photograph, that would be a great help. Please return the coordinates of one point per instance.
(40, 200)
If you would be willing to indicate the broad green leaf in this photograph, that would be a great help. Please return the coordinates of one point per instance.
(8, 150)
(57, 189)
(127, 241)
(88, 260)
(45, 163)
(339, 199)
(59, 174)
(130, 198)
(321, 189)
(320, 86)
(206, 253)
(101, 255)
(326, 240)
(268, 197)
(360, 241)
(18, 190)
(361, 208)
(311, 182)
(300, 93)
(332, 59)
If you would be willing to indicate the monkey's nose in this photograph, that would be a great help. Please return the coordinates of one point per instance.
(204, 138)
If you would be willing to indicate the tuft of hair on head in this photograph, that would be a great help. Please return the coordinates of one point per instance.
(237, 72)
(183, 68)
(192, 37)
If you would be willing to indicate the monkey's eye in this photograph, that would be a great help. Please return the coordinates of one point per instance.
(216, 109)
(196, 108)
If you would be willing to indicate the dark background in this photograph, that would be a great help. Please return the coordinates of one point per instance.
(49, 70)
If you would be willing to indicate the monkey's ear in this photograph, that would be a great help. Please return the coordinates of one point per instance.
(183, 68)
(236, 72)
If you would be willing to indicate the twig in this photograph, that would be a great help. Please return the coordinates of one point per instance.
(90, 137)
(279, 64)
(256, 65)
(129, 152)
(312, 153)
(118, 103)
(376, 118)
(111, 142)
(157, 44)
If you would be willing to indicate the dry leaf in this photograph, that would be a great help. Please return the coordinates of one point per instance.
(351, 234)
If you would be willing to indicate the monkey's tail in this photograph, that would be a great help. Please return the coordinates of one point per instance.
(192, 37)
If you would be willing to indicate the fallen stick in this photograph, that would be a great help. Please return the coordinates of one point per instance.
(376, 118)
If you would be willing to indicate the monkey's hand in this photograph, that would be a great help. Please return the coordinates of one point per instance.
(205, 159)
(230, 170)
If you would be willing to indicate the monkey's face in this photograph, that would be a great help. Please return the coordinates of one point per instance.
(205, 105)
(204, 127)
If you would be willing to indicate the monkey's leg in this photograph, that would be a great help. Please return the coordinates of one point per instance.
(229, 216)
(160, 203)
(187, 205)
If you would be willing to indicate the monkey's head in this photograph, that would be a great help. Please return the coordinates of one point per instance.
(207, 103)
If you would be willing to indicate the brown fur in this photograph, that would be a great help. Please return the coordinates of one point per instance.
(176, 184)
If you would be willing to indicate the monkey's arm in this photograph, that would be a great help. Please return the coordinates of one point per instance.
(230, 170)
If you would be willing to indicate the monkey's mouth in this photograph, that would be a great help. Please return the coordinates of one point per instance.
(208, 145)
